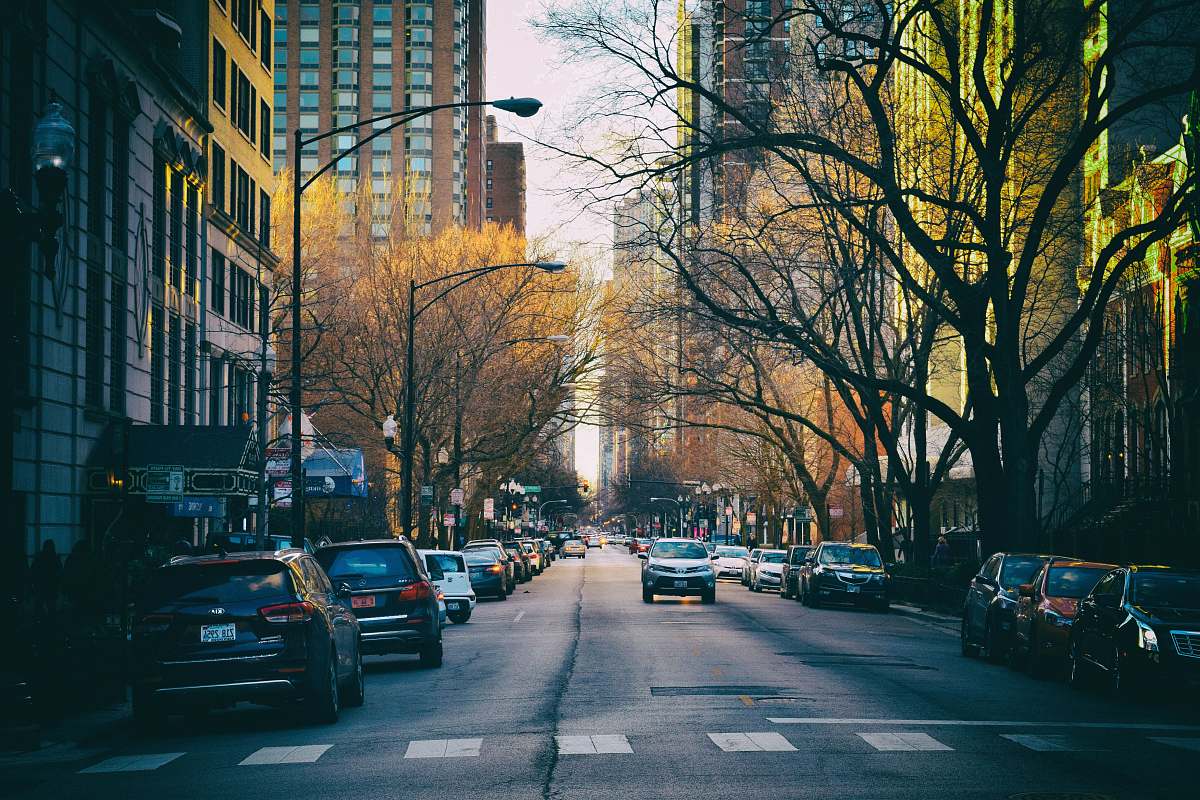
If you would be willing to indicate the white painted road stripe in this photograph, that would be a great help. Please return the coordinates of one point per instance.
(590, 745)
(751, 742)
(518, 617)
(303, 754)
(983, 723)
(1178, 741)
(1047, 743)
(444, 748)
(133, 763)
(906, 742)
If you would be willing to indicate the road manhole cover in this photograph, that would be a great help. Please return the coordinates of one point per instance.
(1061, 796)
(702, 691)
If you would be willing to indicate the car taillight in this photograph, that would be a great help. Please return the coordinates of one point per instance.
(288, 612)
(495, 568)
(421, 590)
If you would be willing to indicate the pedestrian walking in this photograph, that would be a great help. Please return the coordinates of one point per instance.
(941, 553)
(45, 577)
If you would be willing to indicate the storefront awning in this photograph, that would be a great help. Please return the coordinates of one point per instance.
(215, 460)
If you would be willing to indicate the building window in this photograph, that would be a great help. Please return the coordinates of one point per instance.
(214, 391)
(118, 330)
(217, 298)
(174, 339)
(264, 219)
(191, 240)
(157, 342)
(189, 375)
(217, 165)
(159, 245)
(264, 39)
(244, 19)
(176, 229)
(243, 111)
(264, 129)
(93, 391)
(120, 191)
(219, 65)
(489, 202)
(97, 170)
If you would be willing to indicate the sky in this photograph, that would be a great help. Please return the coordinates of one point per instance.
(521, 64)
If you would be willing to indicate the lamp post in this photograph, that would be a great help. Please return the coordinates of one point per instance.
(678, 508)
(460, 278)
(266, 372)
(549, 503)
(521, 106)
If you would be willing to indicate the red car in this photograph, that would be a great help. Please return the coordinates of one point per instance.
(1046, 610)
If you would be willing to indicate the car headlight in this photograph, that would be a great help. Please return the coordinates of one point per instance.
(1058, 620)
(1147, 638)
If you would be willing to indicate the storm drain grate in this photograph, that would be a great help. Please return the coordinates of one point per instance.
(722, 690)
(1061, 796)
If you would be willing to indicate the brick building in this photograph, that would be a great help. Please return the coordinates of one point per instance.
(504, 176)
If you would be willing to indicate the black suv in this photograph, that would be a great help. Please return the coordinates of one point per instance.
(789, 580)
(391, 594)
(844, 572)
(259, 626)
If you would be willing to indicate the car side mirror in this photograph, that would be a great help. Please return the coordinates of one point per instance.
(1025, 590)
(344, 591)
(643, 555)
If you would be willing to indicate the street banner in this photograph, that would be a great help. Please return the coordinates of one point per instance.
(456, 497)
(836, 511)
(751, 518)
(449, 520)
(489, 508)
(164, 483)
(279, 461)
(283, 494)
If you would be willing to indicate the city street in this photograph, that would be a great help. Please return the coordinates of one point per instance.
(577, 689)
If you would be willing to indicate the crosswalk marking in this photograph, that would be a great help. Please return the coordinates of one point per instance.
(303, 754)
(142, 763)
(1049, 743)
(591, 745)
(1182, 742)
(751, 742)
(444, 748)
(906, 742)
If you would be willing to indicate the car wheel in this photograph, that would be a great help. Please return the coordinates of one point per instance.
(813, 600)
(503, 593)
(356, 692)
(964, 640)
(709, 597)
(431, 655)
(326, 701)
(459, 617)
(647, 596)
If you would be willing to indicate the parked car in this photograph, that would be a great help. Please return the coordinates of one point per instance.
(642, 545)
(678, 567)
(449, 572)
(1138, 628)
(991, 605)
(574, 548)
(728, 561)
(593, 540)
(765, 572)
(1046, 609)
(747, 568)
(844, 572)
(789, 576)
(488, 571)
(524, 565)
(507, 559)
(534, 554)
(548, 552)
(391, 594)
(254, 626)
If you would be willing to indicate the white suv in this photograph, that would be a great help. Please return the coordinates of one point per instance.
(448, 571)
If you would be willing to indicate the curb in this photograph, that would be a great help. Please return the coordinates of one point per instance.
(943, 620)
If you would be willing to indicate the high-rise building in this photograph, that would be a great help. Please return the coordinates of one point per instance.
(504, 175)
(341, 61)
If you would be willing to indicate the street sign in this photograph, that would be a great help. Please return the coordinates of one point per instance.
(198, 507)
(450, 519)
(751, 518)
(729, 511)
(279, 461)
(283, 494)
(532, 489)
(456, 497)
(804, 515)
(164, 483)
(836, 511)
(426, 495)
(489, 508)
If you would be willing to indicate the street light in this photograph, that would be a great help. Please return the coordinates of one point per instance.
(521, 106)
(678, 507)
(460, 278)
(266, 372)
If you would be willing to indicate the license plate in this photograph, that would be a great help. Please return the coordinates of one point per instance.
(680, 584)
(851, 589)
(226, 632)
(453, 605)
(365, 601)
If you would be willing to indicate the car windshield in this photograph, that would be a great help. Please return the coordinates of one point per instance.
(732, 552)
(772, 558)
(480, 556)
(853, 556)
(227, 582)
(366, 562)
(446, 562)
(1166, 590)
(1018, 570)
(678, 550)
(1073, 582)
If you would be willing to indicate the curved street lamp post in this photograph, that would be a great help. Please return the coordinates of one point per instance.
(521, 106)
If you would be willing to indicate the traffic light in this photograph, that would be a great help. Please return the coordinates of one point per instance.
(584, 487)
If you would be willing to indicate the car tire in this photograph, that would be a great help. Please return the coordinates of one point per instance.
(430, 656)
(813, 600)
(709, 597)
(503, 593)
(325, 702)
(356, 691)
(459, 617)
(647, 596)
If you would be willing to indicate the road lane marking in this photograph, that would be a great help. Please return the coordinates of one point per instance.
(1178, 741)
(142, 763)
(751, 742)
(984, 723)
(1050, 743)
(303, 754)
(443, 748)
(518, 617)
(903, 742)
(593, 745)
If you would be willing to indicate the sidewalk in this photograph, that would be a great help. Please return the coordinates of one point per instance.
(73, 738)
(938, 619)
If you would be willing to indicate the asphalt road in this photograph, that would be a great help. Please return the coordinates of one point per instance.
(574, 688)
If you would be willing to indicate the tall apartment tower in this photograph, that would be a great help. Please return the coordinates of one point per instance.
(504, 176)
(341, 61)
